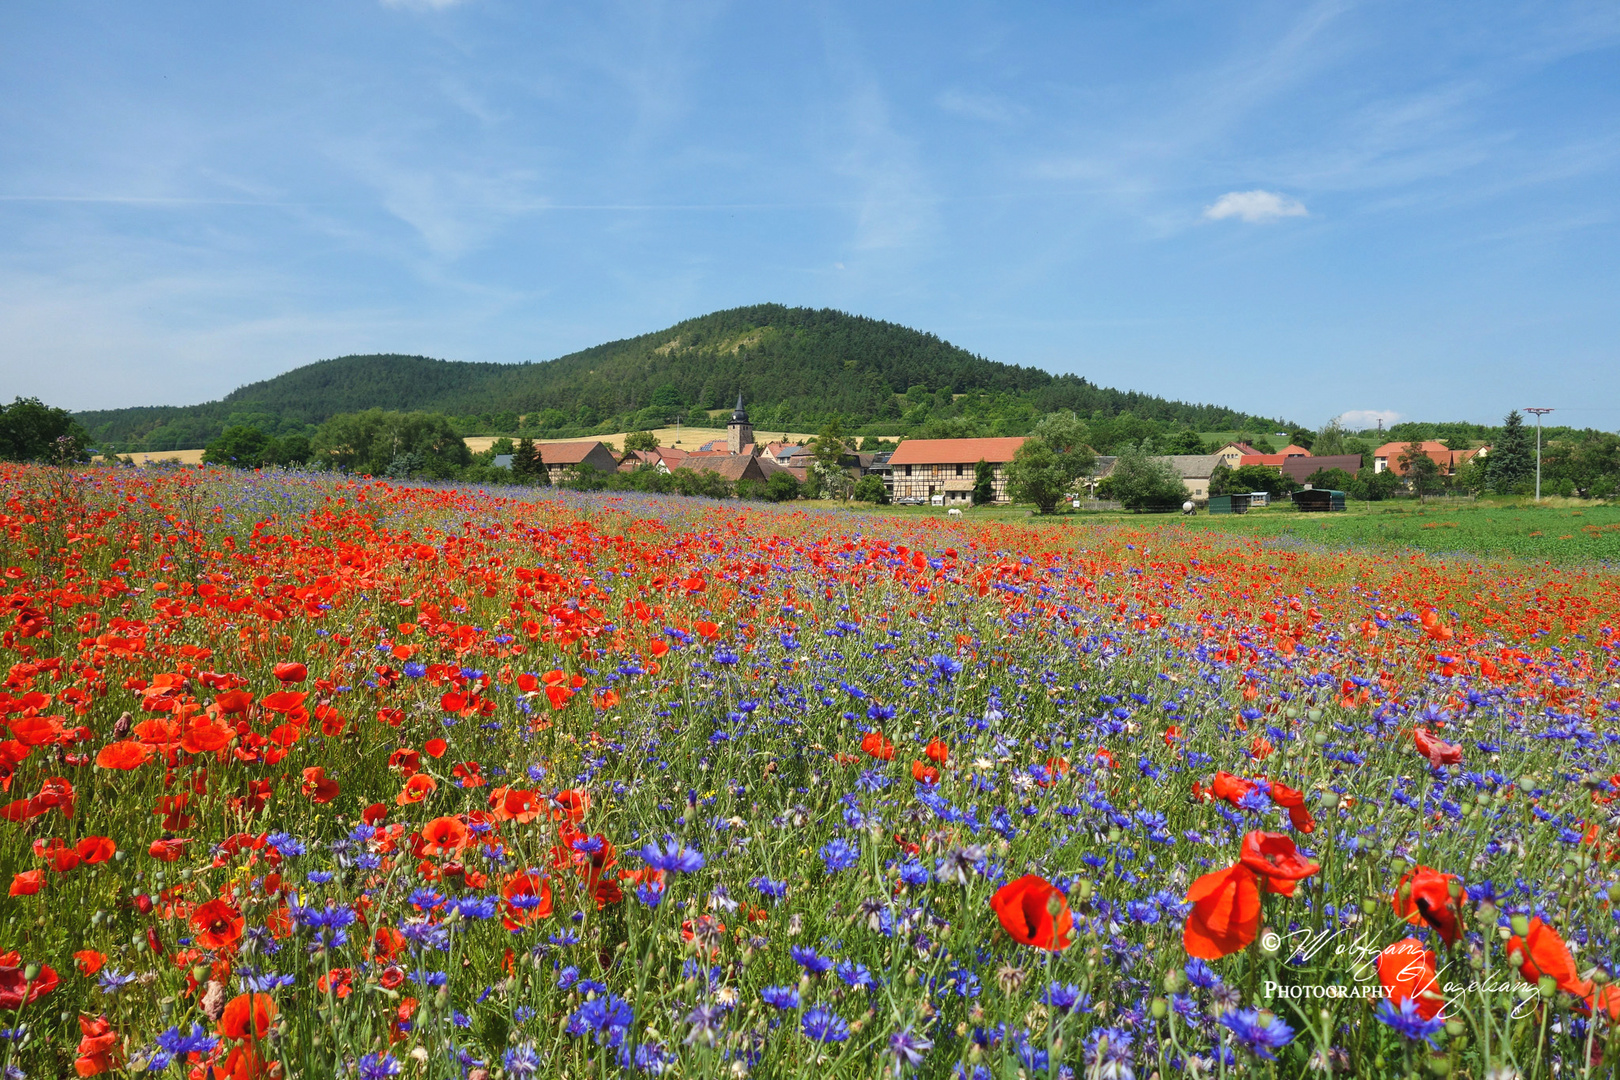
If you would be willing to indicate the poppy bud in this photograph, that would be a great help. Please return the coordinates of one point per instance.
(1520, 924)
(1600, 977)
(1614, 893)
(1160, 1008)
(1174, 981)
(1369, 906)
(31, 972)
(1440, 1064)
(1319, 738)
(1270, 941)
(1547, 986)
(1314, 715)
(199, 972)
(1455, 1027)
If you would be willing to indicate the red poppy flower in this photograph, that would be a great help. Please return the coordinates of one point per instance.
(27, 883)
(924, 774)
(1226, 913)
(1543, 952)
(877, 746)
(445, 834)
(937, 752)
(416, 789)
(291, 673)
(1299, 815)
(435, 748)
(218, 925)
(168, 850)
(1424, 896)
(1274, 858)
(1229, 787)
(318, 786)
(338, 981)
(89, 961)
(97, 1047)
(16, 989)
(525, 898)
(1438, 752)
(1034, 912)
(1407, 970)
(248, 1016)
(96, 849)
(56, 854)
(123, 755)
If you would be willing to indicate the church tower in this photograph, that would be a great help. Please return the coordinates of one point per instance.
(739, 432)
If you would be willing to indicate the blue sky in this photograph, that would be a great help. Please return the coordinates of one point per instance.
(1303, 209)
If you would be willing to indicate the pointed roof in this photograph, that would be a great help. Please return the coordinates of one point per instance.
(739, 415)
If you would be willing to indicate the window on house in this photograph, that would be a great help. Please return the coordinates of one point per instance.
(959, 469)
(908, 470)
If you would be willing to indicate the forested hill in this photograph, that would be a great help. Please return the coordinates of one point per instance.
(797, 368)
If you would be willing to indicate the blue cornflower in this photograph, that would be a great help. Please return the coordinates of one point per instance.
(781, 997)
(914, 873)
(1108, 1053)
(378, 1067)
(522, 1061)
(810, 960)
(650, 893)
(823, 1025)
(839, 854)
(1258, 1032)
(111, 981)
(1407, 1021)
(195, 1041)
(319, 877)
(1201, 974)
(854, 974)
(425, 900)
(287, 844)
(588, 845)
(608, 1013)
(476, 907)
(907, 1048)
(1064, 997)
(567, 977)
(674, 858)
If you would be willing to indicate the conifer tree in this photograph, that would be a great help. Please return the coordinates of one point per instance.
(525, 461)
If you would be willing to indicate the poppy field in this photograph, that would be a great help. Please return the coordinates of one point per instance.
(315, 777)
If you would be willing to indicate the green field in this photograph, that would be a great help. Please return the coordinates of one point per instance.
(1559, 530)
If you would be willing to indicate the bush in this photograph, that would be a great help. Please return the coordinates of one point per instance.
(870, 489)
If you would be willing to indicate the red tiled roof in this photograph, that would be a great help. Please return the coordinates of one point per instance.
(567, 453)
(956, 451)
(1273, 460)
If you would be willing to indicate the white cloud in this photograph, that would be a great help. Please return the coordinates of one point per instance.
(1254, 206)
(1363, 419)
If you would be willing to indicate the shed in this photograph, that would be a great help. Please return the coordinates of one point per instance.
(1318, 500)
(1229, 504)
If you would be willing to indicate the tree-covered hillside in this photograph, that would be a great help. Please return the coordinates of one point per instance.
(797, 369)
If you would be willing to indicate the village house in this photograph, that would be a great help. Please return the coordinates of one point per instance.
(1388, 457)
(1298, 468)
(558, 458)
(923, 468)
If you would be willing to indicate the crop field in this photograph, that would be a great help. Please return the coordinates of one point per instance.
(314, 777)
(1567, 533)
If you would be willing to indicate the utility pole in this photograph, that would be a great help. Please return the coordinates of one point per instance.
(1539, 414)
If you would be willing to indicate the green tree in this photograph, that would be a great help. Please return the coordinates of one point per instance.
(372, 442)
(1220, 480)
(525, 462)
(1302, 437)
(1512, 460)
(1185, 441)
(1330, 440)
(782, 487)
(30, 430)
(1257, 478)
(640, 440)
(827, 455)
(1140, 482)
(870, 489)
(1330, 479)
(241, 448)
(984, 483)
(1370, 485)
(1421, 470)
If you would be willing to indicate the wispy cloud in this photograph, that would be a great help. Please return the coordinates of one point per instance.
(1254, 206)
(1362, 419)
